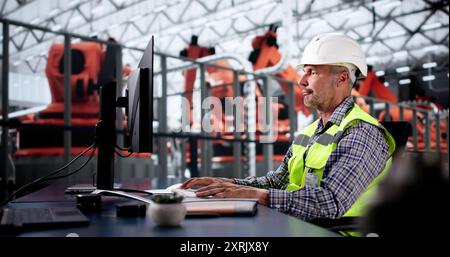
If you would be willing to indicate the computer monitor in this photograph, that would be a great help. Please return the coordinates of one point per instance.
(140, 110)
(138, 102)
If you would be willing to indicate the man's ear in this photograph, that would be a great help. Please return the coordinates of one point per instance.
(343, 78)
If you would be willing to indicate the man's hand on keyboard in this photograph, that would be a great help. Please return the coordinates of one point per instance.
(204, 181)
(224, 189)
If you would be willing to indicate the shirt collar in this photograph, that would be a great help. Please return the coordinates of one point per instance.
(339, 113)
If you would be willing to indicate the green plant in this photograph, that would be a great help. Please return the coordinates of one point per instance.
(167, 198)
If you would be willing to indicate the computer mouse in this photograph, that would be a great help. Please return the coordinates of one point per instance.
(174, 186)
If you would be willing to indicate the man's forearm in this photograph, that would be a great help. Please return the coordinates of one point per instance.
(263, 197)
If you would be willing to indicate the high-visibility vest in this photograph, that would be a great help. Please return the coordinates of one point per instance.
(308, 170)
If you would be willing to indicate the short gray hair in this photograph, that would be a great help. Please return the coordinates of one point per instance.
(338, 69)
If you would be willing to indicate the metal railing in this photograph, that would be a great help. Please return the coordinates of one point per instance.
(427, 116)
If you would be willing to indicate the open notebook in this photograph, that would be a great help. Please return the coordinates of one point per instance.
(197, 206)
(221, 207)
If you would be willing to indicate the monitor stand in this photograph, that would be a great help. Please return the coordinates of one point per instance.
(86, 188)
(121, 194)
(105, 136)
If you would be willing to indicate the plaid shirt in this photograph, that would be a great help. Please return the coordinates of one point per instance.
(358, 158)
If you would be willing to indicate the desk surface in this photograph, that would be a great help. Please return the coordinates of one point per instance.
(267, 222)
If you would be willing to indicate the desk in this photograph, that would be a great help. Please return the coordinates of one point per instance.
(267, 222)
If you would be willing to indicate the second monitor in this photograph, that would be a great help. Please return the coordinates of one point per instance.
(139, 105)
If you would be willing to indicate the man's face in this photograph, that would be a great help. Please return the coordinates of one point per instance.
(318, 86)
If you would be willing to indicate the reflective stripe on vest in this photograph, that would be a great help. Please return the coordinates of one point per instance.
(308, 170)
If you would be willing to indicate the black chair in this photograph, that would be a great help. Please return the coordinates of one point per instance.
(400, 131)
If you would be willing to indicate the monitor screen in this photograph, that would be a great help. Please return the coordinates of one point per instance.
(140, 103)
(140, 112)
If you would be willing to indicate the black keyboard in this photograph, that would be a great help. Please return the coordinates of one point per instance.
(25, 216)
(40, 218)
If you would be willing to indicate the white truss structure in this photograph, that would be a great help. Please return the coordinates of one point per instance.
(393, 33)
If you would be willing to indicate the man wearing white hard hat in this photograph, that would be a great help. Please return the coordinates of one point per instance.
(332, 168)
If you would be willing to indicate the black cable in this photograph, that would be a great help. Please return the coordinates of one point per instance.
(123, 156)
(123, 149)
(46, 176)
(77, 170)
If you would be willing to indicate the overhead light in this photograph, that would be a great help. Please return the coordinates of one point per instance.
(404, 81)
(93, 34)
(56, 27)
(396, 33)
(29, 58)
(119, 2)
(401, 54)
(368, 39)
(429, 65)
(18, 30)
(379, 73)
(431, 26)
(225, 14)
(372, 59)
(379, 3)
(35, 20)
(160, 8)
(54, 12)
(137, 17)
(74, 3)
(199, 22)
(432, 48)
(344, 13)
(428, 78)
(402, 69)
(386, 84)
(268, 5)
(16, 63)
(312, 20)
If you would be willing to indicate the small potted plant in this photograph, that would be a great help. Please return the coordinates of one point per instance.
(167, 209)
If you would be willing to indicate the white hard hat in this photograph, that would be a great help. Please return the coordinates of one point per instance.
(335, 49)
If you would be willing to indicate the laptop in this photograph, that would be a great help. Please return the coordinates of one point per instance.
(20, 219)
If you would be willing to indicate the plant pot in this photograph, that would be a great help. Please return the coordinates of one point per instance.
(167, 214)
